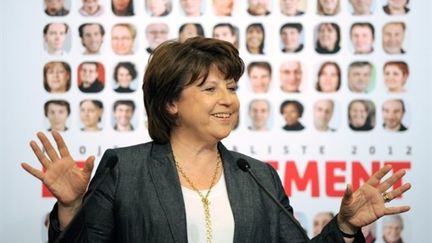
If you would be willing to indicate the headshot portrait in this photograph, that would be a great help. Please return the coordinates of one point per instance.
(393, 37)
(125, 75)
(320, 220)
(57, 112)
(292, 7)
(323, 114)
(395, 74)
(57, 77)
(258, 7)
(361, 77)
(223, 8)
(158, 8)
(327, 38)
(259, 112)
(362, 37)
(328, 78)
(91, 77)
(328, 7)
(91, 8)
(393, 115)
(156, 34)
(255, 37)
(396, 7)
(56, 38)
(189, 30)
(362, 7)
(393, 226)
(292, 112)
(122, 7)
(90, 113)
(361, 115)
(290, 76)
(292, 37)
(91, 35)
(123, 39)
(57, 7)
(226, 32)
(260, 76)
(192, 8)
(123, 112)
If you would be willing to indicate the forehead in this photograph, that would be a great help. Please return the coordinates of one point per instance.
(290, 65)
(57, 26)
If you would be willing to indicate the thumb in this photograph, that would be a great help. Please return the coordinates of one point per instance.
(347, 197)
(89, 163)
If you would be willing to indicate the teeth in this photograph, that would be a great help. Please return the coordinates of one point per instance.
(222, 115)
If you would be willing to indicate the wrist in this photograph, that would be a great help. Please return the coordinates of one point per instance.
(346, 229)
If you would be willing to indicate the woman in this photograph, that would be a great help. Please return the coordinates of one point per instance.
(292, 111)
(122, 7)
(396, 7)
(392, 229)
(328, 38)
(57, 77)
(91, 8)
(158, 8)
(255, 36)
(124, 74)
(91, 115)
(168, 190)
(189, 30)
(328, 7)
(396, 74)
(361, 115)
(192, 8)
(329, 78)
(223, 7)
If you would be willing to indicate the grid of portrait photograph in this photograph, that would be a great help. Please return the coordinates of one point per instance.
(321, 65)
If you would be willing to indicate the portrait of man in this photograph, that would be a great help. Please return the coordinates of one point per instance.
(57, 112)
(393, 112)
(290, 76)
(223, 7)
(360, 76)
(258, 7)
(123, 111)
(55, 8)
(88, 77)
(156, 33)
(322, 115)
(260, 74)
(393, 36)
(361, 7)
(123, 38)
(291, 37)
(320, 220)
(291, 7)
(54, 35)
(226, 32)
(259, 114)
(91, 35)
(362, 37)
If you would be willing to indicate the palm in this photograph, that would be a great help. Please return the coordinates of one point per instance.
(62, 177)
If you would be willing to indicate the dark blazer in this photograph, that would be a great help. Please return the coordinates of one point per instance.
(141, 201)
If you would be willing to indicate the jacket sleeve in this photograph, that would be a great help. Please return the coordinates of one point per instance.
(94, 222)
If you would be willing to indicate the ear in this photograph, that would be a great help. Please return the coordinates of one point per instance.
(172, 108)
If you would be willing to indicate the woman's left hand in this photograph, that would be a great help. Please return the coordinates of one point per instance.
(367, 204)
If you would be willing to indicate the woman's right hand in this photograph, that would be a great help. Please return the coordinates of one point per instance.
(66, 181)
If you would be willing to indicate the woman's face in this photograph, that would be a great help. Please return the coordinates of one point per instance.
(90, 114)
(392, 232)
(90, 6)
(156, 7)
(290, 114)
(223, 7)
(394, 78)
(124, 78)
(327, 37)
(328, 79)
(358, 114)
(120, 5)
(188, 31)
(397, 3)
(191, 7)
(329, 6)
(254, 38)
(57, 78)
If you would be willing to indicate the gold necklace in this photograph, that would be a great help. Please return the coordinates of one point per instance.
(204, 199)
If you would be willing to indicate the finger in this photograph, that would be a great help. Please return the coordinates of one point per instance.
(375, 179)
(88, 166)
(52, 154)
(61, 145)
(398, 191)
(396, 210)
(34, 172)
(347, 197)
(389, 182)
(40, 155)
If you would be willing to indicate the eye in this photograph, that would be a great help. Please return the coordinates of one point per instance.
(233, 88)
(209, 89)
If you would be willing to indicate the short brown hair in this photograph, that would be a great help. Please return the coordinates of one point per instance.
(175, 65)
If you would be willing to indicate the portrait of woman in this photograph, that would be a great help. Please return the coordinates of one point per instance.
(223, 7)
(90, 113)
(392, 229)
(122, 7)
(396, 7)
(192, 8)
(329, 77)
(91, 8)
(328, 7)
(361, 115)
(292, 111)
(158, 8)
(396, 74)
(327, 38)
(189, 30)
(124, 74)
(255, 36)
(57, 77)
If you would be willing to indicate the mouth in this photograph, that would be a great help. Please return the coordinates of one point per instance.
(222, 115)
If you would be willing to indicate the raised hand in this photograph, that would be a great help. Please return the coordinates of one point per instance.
(62, 177)
(367, 204)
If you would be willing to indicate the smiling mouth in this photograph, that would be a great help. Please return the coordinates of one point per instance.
(222, 115)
